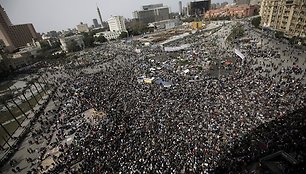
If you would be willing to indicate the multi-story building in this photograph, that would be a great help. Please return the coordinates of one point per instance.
(180, 8)
(241, 2)
(288, 16)
(109, 35)
(67, 41)
(152, 13)
(223, 4)
(255, 2)
(198, 8)
(116, 23)
(15, 36)
(82, 28)
(233, 11)
(95, 23)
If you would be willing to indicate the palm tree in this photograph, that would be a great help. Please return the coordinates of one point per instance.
(11, 96)
(3, 100)
(22, 93)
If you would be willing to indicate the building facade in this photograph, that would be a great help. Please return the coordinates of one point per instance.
(198, 8)
(152, 13)
(15, 36)
(242, 2)
(95, 23)
(180, 8)
(82, 28)
(288, 16)
(117, 23)
(109, 35)
(233, 11)
(66, 41)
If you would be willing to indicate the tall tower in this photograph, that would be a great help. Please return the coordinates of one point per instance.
(99, 13)
(180, 8)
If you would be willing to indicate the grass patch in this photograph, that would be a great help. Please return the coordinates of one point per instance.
(5, 116)
(11, 128)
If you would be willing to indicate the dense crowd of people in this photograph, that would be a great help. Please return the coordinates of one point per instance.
(182, 129)
(189, 127)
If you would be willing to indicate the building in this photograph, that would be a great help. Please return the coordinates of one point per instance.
(15, 36)
(67, 41)
(198, 8)
(95, 23)
(242, 2)
(233, 11)
(223, 4)
(213, 6)
(284, 16)
(255, 2)
(180, 8)
(109, 35)
(165, 24)
(117, 23)
(152, 13)
(185, 11)
(82, 28)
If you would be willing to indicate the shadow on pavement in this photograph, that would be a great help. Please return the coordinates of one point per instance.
(275, 147)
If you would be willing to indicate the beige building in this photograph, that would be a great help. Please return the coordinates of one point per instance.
(288, 16)
(116, 24)
(82, 28)
(15, 36)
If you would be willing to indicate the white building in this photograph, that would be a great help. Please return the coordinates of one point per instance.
(82, 28)
(65, 41)
(109, 35)
(165, 24)
(116, 24)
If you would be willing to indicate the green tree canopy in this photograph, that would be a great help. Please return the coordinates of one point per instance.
(123, 35)
(100, 39)
(256, 21)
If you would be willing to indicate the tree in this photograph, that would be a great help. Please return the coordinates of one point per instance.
(238, 31)
(100, 39)
(123, 35)
(279, 34)
(136, 27)
(73, 46)
(256, 21)
(88, 40)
